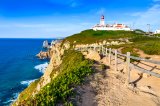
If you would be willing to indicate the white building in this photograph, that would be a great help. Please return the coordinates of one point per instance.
(103, 26)
(157, 32)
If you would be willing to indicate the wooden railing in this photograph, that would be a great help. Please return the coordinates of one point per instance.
(109, 53)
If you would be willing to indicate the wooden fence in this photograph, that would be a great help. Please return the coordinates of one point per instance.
(109, 53)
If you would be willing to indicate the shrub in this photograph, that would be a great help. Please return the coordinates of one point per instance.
(72, 72)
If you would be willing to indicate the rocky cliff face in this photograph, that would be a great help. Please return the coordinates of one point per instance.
(55, 54)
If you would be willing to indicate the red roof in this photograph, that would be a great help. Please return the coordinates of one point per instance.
(102, 17)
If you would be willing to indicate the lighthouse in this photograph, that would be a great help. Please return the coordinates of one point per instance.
(110, 27)
(102, 22)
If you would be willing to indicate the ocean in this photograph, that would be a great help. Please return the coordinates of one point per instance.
(19, 66)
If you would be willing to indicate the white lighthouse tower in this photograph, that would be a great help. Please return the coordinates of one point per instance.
(102, 22)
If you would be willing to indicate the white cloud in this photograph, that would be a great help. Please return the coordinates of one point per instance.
(42, 30)
(150, 16)
(136, 14)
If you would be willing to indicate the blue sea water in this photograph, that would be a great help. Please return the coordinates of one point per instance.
(18, 66)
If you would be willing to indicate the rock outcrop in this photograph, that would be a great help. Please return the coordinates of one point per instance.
(56, 52)
(43, 55)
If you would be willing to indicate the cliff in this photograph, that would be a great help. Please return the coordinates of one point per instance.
(55, 54)
(68, 68)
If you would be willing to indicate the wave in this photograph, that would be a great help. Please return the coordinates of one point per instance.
(41, 67)
(27, 82)
(14, 98)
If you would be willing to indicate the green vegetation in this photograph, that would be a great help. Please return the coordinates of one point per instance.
(103, 67)
(139, 31)
(27, 93)
(130, 49)
(75, 67)
(90, 36)
(150, 45)
(158, 35)
(72, 72)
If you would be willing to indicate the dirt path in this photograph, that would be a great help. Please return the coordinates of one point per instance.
(108, 88)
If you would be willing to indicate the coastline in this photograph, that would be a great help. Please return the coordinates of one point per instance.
(41, 68)
(55, 53)
(47, 85)
(18, 64)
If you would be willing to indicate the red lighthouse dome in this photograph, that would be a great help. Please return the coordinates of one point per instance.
(102, 17)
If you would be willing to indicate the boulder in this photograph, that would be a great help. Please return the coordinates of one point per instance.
(108, 43)
(43, 55)
(85, 53)
(104, 42)
(67, 45)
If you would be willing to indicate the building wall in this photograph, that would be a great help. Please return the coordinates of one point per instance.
(110, 28)
(157, 32)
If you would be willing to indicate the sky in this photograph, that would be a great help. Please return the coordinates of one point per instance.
(61, 18)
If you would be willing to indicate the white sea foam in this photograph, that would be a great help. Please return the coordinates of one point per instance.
(41, 67)
(15, 96)
(27, 82)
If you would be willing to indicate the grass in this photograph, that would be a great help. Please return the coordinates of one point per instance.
(27, 93)
(150, 45)
(131, 50)
(90, 36)
(139, 31)
(72, 72)
(158, 35)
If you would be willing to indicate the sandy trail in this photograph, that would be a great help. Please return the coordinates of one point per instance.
(107, 87)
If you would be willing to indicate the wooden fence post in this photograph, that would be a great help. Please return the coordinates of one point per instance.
(102, 50)
(128, 67)
(94, 48)
(99, 50)
(106, 52)
(109, 56)
(116, 60)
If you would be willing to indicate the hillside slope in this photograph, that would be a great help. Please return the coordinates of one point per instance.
(72, 71)
(150, 45)
(68, 68)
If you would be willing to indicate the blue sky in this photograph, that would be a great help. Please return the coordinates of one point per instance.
(60, 18)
